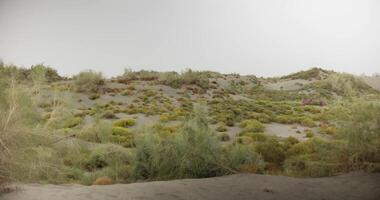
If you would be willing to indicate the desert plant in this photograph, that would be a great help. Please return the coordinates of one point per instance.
(88, 81)
(124, 123)
(193, 152)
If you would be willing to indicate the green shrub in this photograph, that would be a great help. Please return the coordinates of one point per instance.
(327, 129)
(309, 133)
(94, 96)
(72, 122)
(257, 137)
(272, 151)
(361, 129)
(88, 81)
(99, 131)
(304, 166)
(252, 126)
(124, 123)
(107, 155)
(193, 153)
(301, 148)
(241, 156)
(307, 122)
(221, 128)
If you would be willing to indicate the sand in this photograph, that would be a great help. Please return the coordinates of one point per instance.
(287, 130)
(288, 85)
(351, 186)
(373, 81)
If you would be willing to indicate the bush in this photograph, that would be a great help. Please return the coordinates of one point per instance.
(107, 156)
(99, 131)
(272, 151)
(361, 129)
(304, 166)
(124, 123)
(257, 137)
(192, 153)
(244, 158)
(88, 81)
(301, 148)
(71, 122)
(252, 126)
(221, 128)
(328, 130)
(309, 133)
(122, 136)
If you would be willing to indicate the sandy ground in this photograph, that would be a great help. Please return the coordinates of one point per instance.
(288, 84)
(373, 81)
(241, 186)
(286, 130)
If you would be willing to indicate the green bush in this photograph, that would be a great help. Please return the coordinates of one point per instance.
(88, 81)
(124, 123)
(309, 133)
(272, 151)
(257, 137)
(71, 122)
(252, 126)
(193, 153)
(301, 148)
(221, 128)
(122, 136)
(361, 129)
(107, 156)
(304, 166)
(240, 156)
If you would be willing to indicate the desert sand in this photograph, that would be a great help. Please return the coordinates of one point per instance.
(351, 186)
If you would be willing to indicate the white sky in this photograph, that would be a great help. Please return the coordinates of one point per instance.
(262, 37)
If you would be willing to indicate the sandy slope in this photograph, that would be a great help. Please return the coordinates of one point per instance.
(241, 186)
(373, 81)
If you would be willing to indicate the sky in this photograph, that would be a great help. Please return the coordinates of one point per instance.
(261, 37)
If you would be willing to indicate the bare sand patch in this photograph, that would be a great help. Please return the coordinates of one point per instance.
(373, 81)
(288, 84)
(287, 130)
(351, 186)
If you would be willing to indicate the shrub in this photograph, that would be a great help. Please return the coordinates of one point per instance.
(257, 137)
(272, 151)
(221, 128)
(122, 136)
(309, 133)
(244, 158)
(124, 123)
(307, 122)
(88, 81)
(361, 129)
(107, 156)
(94, 96)
(304, 166)
(72, 122)
(193, 153)
(99, 131)
(301, 148)
(328, 130)
(252, 126)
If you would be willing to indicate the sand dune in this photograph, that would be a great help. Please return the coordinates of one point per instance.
(373, 81)
(351, 186)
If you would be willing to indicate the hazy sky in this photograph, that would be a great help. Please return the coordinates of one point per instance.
(262, 37)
